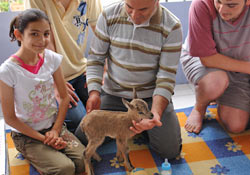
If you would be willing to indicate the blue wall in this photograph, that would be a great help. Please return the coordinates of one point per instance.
(180, 10)
(6, 47)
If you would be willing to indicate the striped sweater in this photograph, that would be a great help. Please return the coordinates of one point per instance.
(145, 57)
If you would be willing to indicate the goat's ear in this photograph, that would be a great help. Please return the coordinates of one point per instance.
(127, 104)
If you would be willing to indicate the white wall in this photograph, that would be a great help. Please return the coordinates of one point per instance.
(108, 2)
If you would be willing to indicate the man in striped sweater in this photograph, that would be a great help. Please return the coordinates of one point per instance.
(142, 43)
(216, 58)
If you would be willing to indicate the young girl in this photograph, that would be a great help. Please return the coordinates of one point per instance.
(28, 102)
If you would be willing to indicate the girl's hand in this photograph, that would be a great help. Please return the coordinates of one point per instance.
(51, 137)
(59, 144)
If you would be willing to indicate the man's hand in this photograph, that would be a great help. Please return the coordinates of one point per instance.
(73, 97)
(94, 101)
(145, 124)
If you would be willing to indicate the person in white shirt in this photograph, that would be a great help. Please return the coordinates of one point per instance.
(27, 80)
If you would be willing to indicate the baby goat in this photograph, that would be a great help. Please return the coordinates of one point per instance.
(101, 123)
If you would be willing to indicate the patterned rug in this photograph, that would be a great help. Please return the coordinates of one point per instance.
(212, 151)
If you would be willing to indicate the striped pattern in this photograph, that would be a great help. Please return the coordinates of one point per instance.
(144, 57)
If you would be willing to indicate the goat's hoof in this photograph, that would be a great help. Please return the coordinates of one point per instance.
(99, 160)
(120, 159)
(97, 157)
(130, 167)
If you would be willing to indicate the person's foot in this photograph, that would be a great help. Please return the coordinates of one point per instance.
(194, 121)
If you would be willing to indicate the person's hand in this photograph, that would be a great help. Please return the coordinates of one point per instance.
(145, 124)
(51, 137)
(59, 144)
(73, 97)
(94, 101)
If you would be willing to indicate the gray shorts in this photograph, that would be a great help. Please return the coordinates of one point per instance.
(237, 94)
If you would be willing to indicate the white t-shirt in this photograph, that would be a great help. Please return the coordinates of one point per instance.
(34, 98)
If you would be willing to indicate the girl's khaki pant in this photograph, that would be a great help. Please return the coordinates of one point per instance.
(49, 161)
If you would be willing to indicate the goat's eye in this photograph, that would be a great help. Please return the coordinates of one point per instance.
(140, 112)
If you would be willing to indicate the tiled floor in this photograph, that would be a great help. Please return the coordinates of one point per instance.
(184, 96)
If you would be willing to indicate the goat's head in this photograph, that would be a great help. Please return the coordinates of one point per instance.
(140, 107)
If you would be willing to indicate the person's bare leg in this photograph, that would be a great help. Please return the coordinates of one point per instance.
(209, 88)
(234, 120)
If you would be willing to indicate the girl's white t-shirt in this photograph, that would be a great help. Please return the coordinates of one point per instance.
(34, 98)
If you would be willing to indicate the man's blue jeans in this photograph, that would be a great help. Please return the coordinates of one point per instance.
(76, 113)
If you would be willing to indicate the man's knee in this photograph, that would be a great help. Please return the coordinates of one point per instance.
(214, 83)
(235, 120)
(169, 152)
(168, 148)
(235, 128)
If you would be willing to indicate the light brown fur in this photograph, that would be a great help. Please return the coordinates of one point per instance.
(100, 123)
